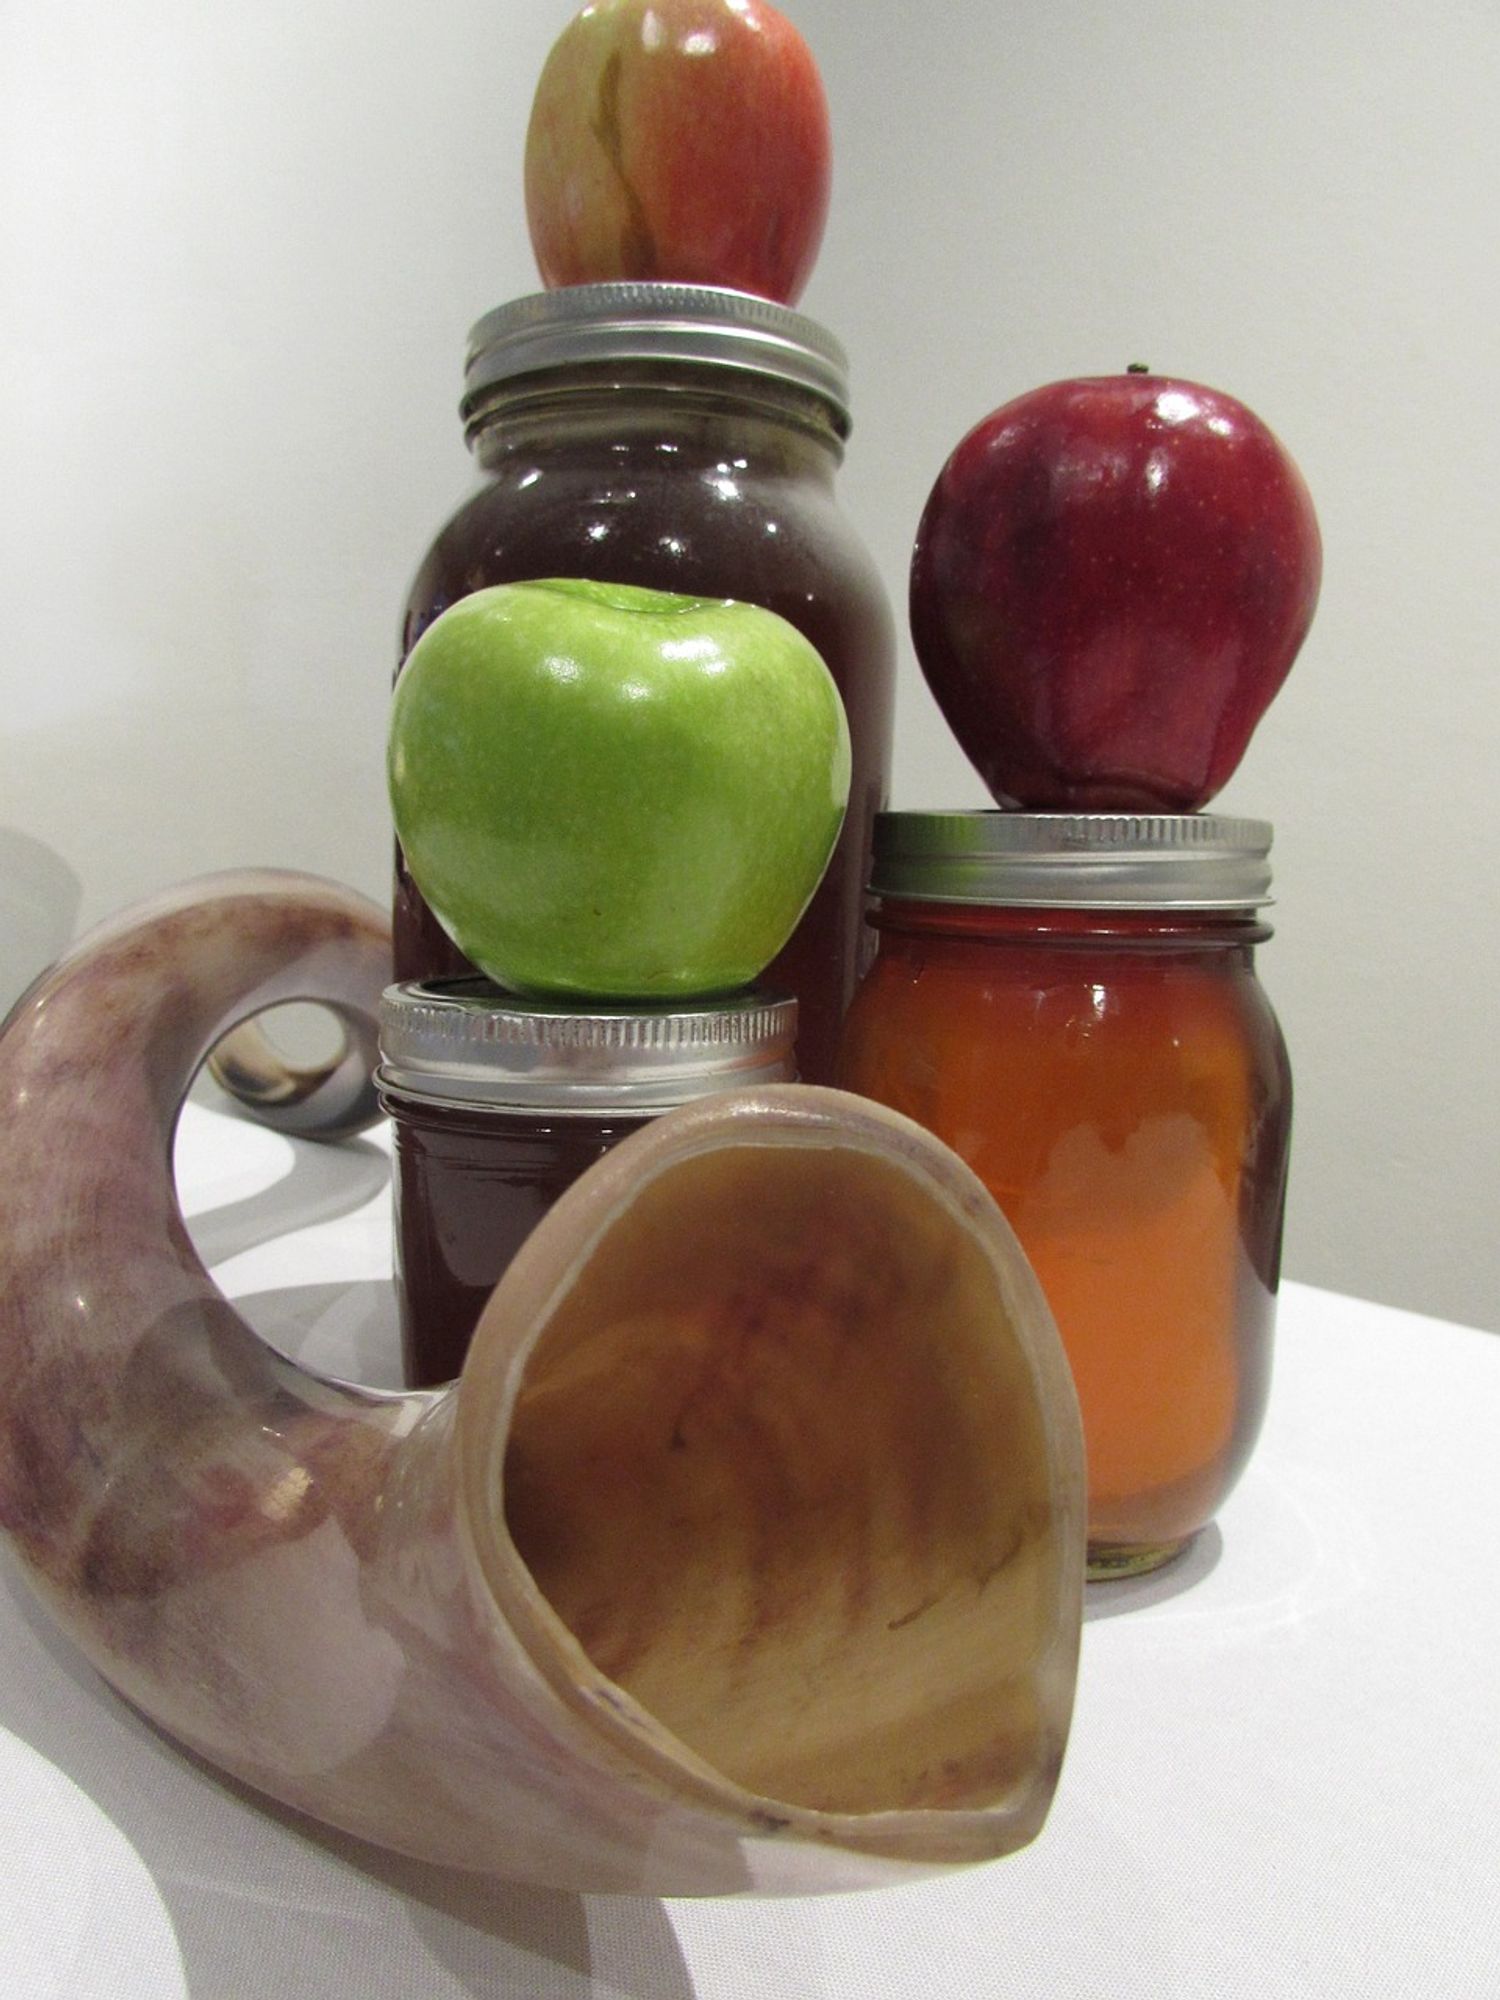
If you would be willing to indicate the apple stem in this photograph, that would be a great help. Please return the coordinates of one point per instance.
(1137, 368)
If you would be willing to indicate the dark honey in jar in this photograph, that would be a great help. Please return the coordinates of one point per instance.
(683, 438)
(498, 1105)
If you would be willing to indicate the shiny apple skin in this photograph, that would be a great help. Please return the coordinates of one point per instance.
(681, 141)
(1111, 579)
(617, 793)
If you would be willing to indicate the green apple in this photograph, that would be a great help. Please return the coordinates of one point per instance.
(616, 792)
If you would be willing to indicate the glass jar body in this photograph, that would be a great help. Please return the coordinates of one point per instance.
(687, 477)
(1119, 1083)
(469, 1184)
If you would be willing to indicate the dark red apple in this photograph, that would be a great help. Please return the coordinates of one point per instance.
(683, 140)
(1111, 579)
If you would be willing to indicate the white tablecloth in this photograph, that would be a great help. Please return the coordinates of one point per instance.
(1283, 1778)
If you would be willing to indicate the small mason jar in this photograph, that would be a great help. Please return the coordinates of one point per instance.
(1071, 1002)
(685, 438)
(498, 1104)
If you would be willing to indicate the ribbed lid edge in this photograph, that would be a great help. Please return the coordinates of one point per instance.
(629, 321)
(468, 1041)
(1204, 861)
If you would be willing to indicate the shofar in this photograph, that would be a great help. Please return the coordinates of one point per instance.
(746, 1555)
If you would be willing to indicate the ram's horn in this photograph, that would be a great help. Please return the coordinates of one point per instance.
(328, 1097)
(746, 1554)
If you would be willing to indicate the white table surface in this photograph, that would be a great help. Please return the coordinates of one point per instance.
(1283, 1777)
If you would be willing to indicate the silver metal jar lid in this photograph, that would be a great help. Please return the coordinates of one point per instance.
(465, 1041)
(630, 321)
(1074, 861)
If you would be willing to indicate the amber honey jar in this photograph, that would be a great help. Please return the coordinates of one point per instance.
(1071, 1002)
(498, 1104)
(685, 438)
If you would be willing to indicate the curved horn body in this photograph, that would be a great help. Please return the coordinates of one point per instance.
(745, 1555)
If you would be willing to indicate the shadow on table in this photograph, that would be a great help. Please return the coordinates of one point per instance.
(346, 1329)
(1134, 1593)
(593, 1945)
(266, 1904)
(494, 1937)
(350, 1331)
(325, 1182)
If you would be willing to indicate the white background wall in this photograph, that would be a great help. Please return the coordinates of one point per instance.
(240, 246)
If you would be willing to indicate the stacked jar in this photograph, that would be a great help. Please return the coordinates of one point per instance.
(498, 1105)
(676, 438)
(1070, 1001)
(684, 438)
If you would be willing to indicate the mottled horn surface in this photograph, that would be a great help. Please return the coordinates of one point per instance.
(328, 1097)
(746, 1555)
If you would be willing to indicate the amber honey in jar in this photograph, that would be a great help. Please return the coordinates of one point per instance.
(1071, 1002)
(498, 1104)
(685, 438)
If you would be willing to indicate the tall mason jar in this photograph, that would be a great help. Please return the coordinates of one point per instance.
(685, 438)
(1071, 1002)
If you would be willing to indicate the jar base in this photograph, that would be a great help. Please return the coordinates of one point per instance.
(1108, 1561)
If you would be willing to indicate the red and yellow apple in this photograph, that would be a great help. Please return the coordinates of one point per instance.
(679, 140)
(1111, 579)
